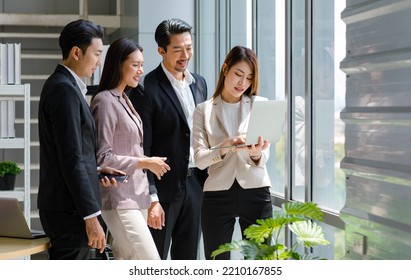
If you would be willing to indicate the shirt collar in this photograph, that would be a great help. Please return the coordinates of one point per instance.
(189, 79)
(79, 82)
(115, 92)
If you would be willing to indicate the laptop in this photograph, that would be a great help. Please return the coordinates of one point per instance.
(267, 120)
(12, 221)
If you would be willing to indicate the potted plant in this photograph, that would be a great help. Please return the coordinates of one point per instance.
(8, 172)
(262, 239)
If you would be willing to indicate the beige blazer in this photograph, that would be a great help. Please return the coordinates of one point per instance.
(120, 145)
(209, 130)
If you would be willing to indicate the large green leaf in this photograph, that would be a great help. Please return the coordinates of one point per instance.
(250, 250)
(307, 210)
(233, 246)
(308, 233)
(254, 251)
(265, 229)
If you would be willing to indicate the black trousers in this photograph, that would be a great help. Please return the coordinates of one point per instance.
(182, 222)
(221, 208)
(67, 233)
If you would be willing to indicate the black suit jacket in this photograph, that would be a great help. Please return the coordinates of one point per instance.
(166, 131)
(68, 168)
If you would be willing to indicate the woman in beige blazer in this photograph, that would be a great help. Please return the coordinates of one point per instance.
(119, 144)
(238, 183)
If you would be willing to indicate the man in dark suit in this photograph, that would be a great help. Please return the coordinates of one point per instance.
(68, 197)
(166, 108)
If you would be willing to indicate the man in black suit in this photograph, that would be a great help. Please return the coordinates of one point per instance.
(68, 197)
(166, 108)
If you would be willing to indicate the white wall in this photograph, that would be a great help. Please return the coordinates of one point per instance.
(151, 13)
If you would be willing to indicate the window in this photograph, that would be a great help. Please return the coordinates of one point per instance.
(300, 44)
(270, 48)
(328, 91)
(299, 62)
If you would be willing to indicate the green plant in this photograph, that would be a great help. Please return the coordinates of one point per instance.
(262, 239)
(8, 167)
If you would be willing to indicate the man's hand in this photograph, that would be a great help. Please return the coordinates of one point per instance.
(156, 216)
(95, 234)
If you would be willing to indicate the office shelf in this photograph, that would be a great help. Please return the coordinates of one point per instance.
(20, 93)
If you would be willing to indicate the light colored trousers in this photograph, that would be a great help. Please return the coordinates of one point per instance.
(132, 238)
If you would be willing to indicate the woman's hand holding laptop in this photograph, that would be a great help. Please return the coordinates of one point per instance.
(231, 144)
(254, 150)
(238, 143)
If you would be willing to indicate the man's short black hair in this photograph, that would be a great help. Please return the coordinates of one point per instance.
(79, 33)
(170, 27)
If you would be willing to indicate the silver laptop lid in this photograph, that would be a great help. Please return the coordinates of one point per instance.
(12, 221)
(266, 120)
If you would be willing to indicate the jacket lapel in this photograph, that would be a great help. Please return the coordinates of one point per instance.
(60, 68)
(245, 114)
(134, 116)
(218, 109)
(195, 92)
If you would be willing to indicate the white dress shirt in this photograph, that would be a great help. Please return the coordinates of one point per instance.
(185, 96)
(230, 115)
